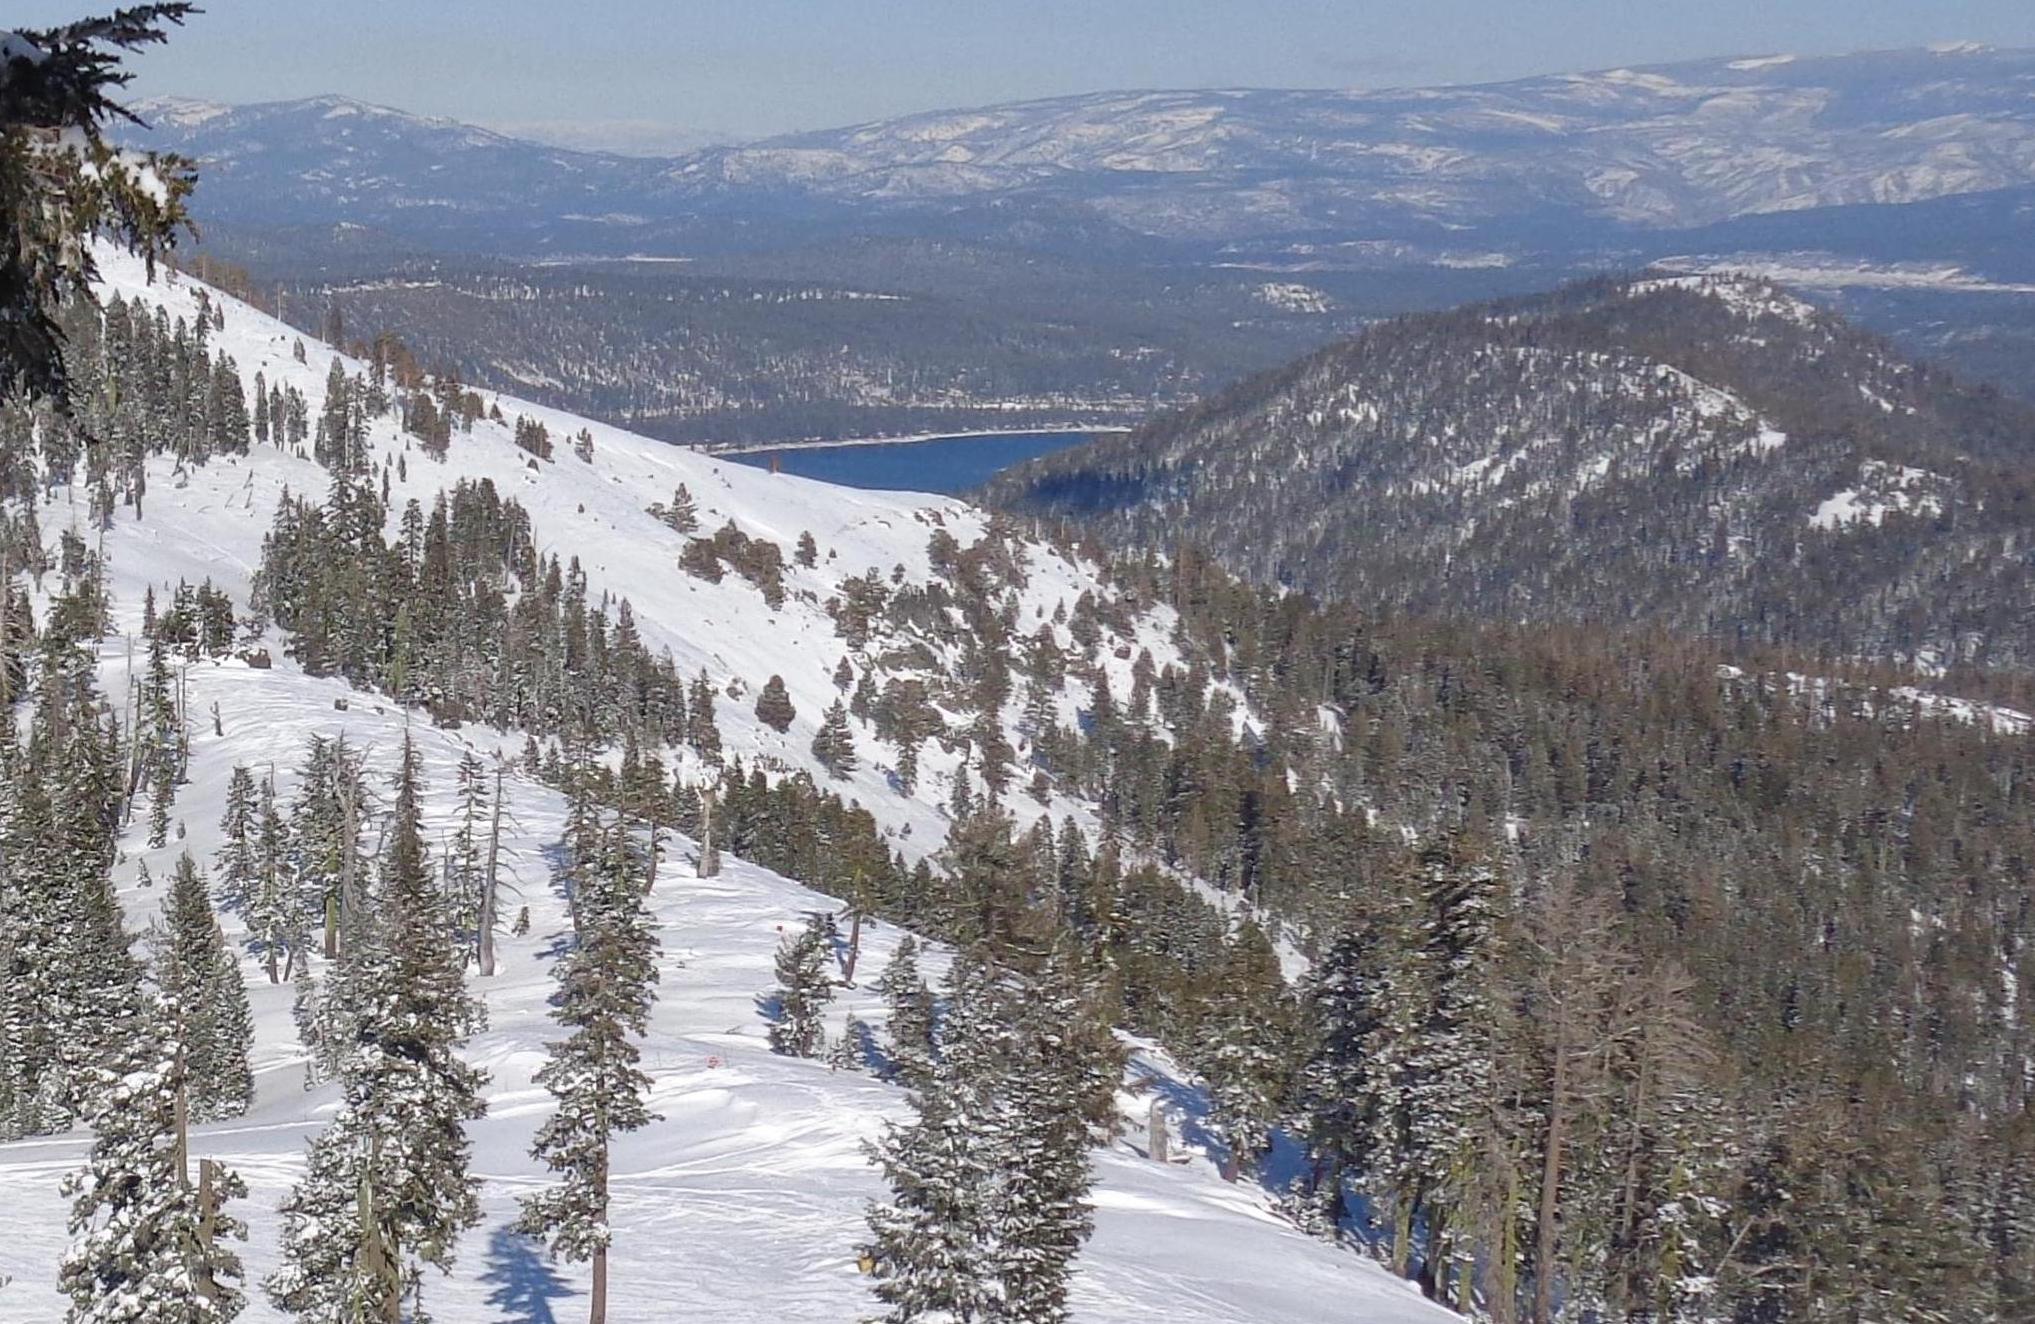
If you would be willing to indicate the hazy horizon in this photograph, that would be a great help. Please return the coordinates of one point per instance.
(639, 82)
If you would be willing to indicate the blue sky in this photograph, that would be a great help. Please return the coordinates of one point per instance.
(645, 74)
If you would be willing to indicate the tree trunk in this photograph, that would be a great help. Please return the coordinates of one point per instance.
(710, 857)
(1157, 1137)
(597, 1313)
(1550, 1184)
(1402, 1235)
(208, 1227)
(487, 882)
(854, 947)
(182, 1109)
(348, 865)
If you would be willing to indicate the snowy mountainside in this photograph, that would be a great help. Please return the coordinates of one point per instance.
(743, 1202)
(209, 521)
(1703, 451)
(745, 1198)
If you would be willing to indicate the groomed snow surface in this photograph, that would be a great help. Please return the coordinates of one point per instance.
(744, 1201)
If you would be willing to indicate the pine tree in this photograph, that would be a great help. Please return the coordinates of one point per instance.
(700, 729)
(1346, 1005)
(1244, 1076)
(59, 87)
(606, 989)
(238, 862)
(275, 920)
(163, 733)
(773, 705)
(933, 1241)
(803, 991)
(148, 1246)
(387, 1189)
(834, 745)
(201, 980)
(912, 1024)
(989, 1181)
(467, 883)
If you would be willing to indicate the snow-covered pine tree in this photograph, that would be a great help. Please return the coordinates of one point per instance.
(78, 982)
(59, 91)
(606, 986)
(701, 731)
(201, 981)
(911, 1043)
(466, 856)
(387, 1188)
(834, 744)
(147, 1244)
(1345, 1005)
(163, 741)
(326, 821)
(1244, 1076)
(803, 991)
(933, 1241)
(237, 864)
(1434, 1050)
(989, 1181)
(275, 920)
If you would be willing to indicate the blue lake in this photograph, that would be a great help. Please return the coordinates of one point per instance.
(949, 465)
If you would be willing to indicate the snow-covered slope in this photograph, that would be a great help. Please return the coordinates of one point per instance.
(743, 1202)
(209, 522)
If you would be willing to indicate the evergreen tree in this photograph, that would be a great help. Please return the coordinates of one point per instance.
(238, 862)
(701, 731)
(606, 988)
(201, 981)
(163, 731)
(148, 1246)
(803, 991)
(834, 745)
(773, 705)
(59, 89)
(387, 1189)
(1346, 1006)
(912, 1024)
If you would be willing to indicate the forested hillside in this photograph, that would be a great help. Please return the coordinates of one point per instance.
(1548, 967)
(1702, 453)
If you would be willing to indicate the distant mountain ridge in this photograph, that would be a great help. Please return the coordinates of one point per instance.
(1701, 452)
(1662, 146)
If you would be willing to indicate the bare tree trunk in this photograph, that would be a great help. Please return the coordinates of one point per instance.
(487, 884)
(710, 855)
(1157, 1138)
(1550, 1180)
(854, 946)
(182, 1112)
(208, 1227)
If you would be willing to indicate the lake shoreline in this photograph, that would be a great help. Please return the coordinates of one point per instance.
(913, 439)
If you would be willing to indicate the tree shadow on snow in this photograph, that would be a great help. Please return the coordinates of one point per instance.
(524, 1283)
(1284, 1167)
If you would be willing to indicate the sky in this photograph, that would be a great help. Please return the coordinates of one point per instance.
(660, 75)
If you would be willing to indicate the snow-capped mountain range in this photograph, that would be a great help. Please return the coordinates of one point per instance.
(1484, 167)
